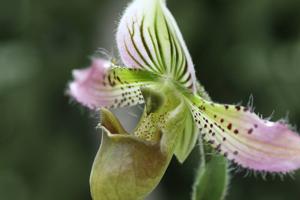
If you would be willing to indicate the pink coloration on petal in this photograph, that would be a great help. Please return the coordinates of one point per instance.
(99, 68)
(127, 46)
(94, 87)
(277, 147)
(83, 88)
(248, 140)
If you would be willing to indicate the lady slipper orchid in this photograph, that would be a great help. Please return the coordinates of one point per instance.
(155, 56)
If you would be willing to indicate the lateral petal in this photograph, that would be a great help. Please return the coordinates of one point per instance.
(245, 138)
(100, 86)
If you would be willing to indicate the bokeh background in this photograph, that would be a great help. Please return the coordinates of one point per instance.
(47, 144)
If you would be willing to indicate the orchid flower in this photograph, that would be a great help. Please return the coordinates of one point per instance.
(155, 56)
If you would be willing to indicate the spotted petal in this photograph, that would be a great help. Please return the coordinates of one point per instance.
(104, 85)
(246, 139)
(148, 37)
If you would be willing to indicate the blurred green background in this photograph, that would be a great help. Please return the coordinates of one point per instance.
(47, 144)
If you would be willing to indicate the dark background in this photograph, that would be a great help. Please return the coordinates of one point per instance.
(47, 144)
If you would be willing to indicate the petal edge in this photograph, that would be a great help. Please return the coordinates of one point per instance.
(246, 139)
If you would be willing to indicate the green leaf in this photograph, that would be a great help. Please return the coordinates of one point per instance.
(212, 177)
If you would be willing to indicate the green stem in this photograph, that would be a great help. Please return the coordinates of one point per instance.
(212, 176)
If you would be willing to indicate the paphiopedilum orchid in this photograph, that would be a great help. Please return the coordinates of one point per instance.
(156, 59)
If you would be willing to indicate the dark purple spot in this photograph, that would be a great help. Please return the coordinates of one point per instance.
(118, 78)
(229, 126)
(250, 130)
